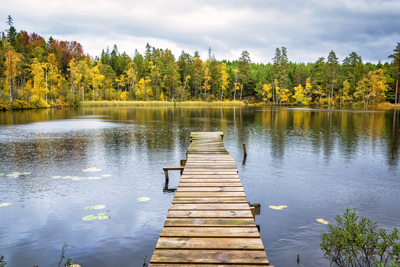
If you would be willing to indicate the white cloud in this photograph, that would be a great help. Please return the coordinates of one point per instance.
(308, 29)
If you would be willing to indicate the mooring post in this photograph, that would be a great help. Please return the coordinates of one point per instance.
(244, 149)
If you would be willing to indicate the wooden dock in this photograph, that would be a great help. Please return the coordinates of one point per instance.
(210, 222)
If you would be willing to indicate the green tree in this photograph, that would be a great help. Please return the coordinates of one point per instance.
(332, 72)
(11, 32)
(244, 70)
(396, 68)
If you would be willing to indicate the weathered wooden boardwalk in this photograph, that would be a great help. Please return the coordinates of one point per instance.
(209, 222)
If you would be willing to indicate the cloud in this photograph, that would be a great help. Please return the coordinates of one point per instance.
(308, 29)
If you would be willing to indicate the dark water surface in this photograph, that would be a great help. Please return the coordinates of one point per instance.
(316, 162)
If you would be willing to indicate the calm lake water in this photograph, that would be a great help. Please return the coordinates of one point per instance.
(316, 162)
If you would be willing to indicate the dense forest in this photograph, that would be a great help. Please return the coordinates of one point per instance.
(38, 73)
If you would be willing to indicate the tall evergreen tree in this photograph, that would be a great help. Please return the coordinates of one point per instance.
(396, 69)
(244, 70)
(332, 70)
(11, 32)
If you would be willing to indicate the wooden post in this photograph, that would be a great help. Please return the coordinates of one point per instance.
(244, 149)
(253, 212)
(166, 175)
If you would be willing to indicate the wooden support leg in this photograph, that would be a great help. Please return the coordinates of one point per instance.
(166, 175)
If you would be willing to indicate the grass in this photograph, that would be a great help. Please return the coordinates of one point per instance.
(158, 103)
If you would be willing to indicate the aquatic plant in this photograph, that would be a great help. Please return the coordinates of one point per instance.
(5, 204)
(143, 199)
(95, 207)
(323, 221)
(100, 216)
(277, 207)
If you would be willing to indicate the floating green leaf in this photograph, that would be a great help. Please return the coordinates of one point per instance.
(106, 175)
(101, 216)
(143, 199)
(92, 169)
(320, 220)
(5, 204)
(95, 207)
(277, 207)
(89, 218)
(94, 178)
(1, 174)
(56, 177)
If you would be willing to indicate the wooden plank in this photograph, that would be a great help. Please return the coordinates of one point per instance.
(208, 172)
(210, 214)
(209, 181)
(208, 176)
(209, 194)
(209, 256)
(210, 189)
(173, 168)
(220, 243)
(210, 222)
(199, 184)
(209, 232)
(205, 265)
(235, 206)
(210, 200)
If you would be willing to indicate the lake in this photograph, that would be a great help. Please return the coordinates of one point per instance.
(56, 162)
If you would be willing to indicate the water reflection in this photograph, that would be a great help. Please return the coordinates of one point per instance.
(317, 162)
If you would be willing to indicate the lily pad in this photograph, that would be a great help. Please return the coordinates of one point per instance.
(101, 216)
(143, 199)
(94, 178)
(277, 207)
(78, 178)
(92, 169)
(320, 220)
(5, 204)
(56, 177)
(106, 175)
(95, 207)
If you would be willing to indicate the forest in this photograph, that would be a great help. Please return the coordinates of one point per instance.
(36, 73)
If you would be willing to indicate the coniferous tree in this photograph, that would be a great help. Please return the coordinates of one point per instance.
(396, 69)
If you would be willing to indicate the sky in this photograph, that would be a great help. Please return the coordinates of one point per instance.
(309, 29)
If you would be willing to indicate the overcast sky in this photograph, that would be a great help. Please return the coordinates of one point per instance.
(309, 29)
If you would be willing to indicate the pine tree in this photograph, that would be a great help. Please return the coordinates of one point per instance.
(396, 68)
(11, 32)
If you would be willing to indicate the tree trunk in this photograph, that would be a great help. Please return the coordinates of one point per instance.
(241, 91)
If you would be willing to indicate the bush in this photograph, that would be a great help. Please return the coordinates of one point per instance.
(41, 103)
(4, 105)
(355, 242)
(19, 104)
